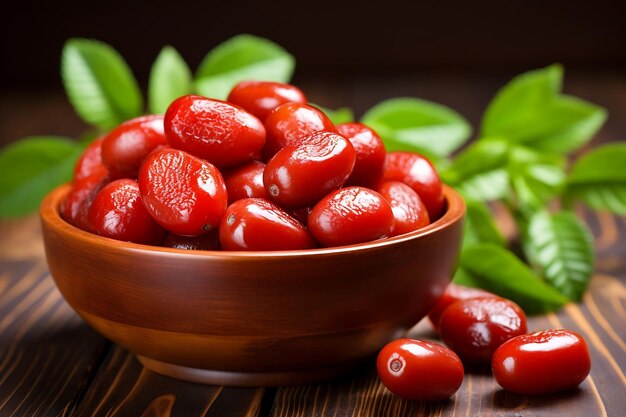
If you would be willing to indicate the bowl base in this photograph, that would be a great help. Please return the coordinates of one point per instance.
(244, 379)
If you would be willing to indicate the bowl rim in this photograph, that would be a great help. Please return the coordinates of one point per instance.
(50, 215)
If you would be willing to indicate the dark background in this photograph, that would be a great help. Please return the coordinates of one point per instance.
(348, 53)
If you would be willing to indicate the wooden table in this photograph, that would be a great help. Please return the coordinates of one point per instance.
(52, 364)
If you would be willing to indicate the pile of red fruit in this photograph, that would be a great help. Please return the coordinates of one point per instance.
(482, 329)
(261, 171)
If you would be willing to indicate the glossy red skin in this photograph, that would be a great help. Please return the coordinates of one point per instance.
(409, 212)
(255, 224)
(476, 327)
(454, 293)
(90, 162)
(419, 370)
(186, 195)
(418, 173)
(126, 146)
(209, 241)
(350, 215)
(290, 122)
(245, 181)
(301, 173)
(75, 208)
(261, 97)
(117, 212)
(222, 133)
(542, 362)
(370, 154)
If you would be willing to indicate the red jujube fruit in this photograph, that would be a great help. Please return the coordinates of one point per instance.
(409, 212)
(301, 173)
(261, 97)
(186, 195)
(476, 327)
(245, 181)
(291, 122)
(350, 215)
(222, 133)
(258, 224)
(75, 207)
(453, 293)
(126, 146)
(117, 212)
(90, 162)
(370, 154)
(542, 362)
(419, 370)
(418, 173)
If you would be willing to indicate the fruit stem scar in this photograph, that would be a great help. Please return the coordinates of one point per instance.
(274, 191)
(230, 220)
(396, 364)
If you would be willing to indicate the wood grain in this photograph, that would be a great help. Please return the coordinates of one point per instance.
(124, 388)
(47, 354)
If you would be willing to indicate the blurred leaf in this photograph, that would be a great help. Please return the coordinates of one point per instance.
(516, 99)
(421, 126)
(561, 247)
(99, 84)
(480, 226)
(531, 111)
(170, 78)
(32, 167)
(338, 116)
(243, 57)
(480, 157)
(599, 178)
(498, 270)
(479, 171)
(536, 177)
(489, 186)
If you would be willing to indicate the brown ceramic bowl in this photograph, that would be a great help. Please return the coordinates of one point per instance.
(252, 318)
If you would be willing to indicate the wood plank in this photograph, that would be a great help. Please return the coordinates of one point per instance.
(47, 354)
(123, 387)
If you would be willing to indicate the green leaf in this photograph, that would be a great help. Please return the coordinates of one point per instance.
(599, 178)
(490, 186)
(500, 271)
(561, 248)
(338, 116)
(418, 125)
(32, 167)
(530, 110)
(170, 78)
(99, 84)
(479, 225)
(516, 99)
(536, 177)
(243, 57)
(479, 172)
(480, 157)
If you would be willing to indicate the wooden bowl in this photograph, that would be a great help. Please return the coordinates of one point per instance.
(252, 318)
